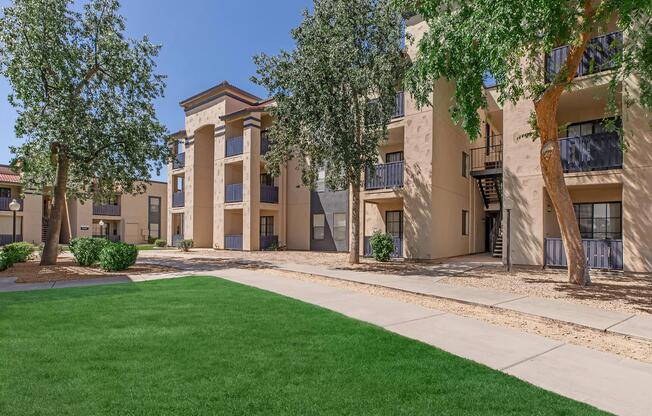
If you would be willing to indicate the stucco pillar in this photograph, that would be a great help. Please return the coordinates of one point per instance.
(219, 187)
(251, 183)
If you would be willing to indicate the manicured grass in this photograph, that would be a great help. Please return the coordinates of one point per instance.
(203, 346)
(146, 247)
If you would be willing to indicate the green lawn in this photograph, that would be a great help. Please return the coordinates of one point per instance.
(202, 346)
(146, 247)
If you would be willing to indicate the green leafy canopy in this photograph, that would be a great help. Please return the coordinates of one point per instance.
(82, 87)
(470, 40)
(335, 92)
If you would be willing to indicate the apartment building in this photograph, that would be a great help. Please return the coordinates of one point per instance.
(435, 191)
(130, 218)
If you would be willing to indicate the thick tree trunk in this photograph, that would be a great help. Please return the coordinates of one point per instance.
(354, 244)
(51, 248)
(553, 177)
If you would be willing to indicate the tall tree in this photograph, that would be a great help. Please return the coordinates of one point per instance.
(467, 40)
(335, 94)
(84, 95)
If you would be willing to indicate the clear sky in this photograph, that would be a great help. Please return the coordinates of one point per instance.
(204, 42)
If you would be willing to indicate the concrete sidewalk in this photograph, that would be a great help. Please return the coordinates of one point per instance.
(639, 326)
(603, 380)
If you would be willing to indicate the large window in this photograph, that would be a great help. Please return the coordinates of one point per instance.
(154, 217)
(5, 193)
(266, 226)
(318, 226)
(394, 223)
(339, 226)
(600, 221)
(587, 128)
(266, 179)
(394, 157)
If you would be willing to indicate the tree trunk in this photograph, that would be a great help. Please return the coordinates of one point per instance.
(553, 177)
(51, 248)
(354, 245)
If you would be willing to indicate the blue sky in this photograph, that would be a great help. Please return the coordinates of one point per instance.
(204, 42)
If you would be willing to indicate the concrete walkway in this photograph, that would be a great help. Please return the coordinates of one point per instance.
(639, 326)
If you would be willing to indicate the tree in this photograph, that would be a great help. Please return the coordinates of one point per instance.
(84, 97)
(468, 41)
(335, 94)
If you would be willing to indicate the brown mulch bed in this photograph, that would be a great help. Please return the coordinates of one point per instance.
(66, 270)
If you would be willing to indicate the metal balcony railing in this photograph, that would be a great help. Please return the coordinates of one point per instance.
(178, 199)
(399, 110)
(267, 241)
(179, 161)
(600, 254)
(487, 157)
(385, 176)
(233, 192)
(599, 151)
(233, 242)
(269, 194)
(398, 247)
(106, 209)
(234, 146)
(6, 200)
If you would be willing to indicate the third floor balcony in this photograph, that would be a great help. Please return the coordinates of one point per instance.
(385, 176)
(234, 146)
(178, 199)
(179, 161)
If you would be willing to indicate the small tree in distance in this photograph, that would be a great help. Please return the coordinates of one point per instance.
(335, 94)
(467, 40)
(84, 95)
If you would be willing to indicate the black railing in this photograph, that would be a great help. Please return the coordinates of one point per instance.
(233, 192)
(487, 157)
(399, 110)
(233, 242)
(267, 241)
(269, 194)
(264, 143)
(599, 151)
(385, 176)
(599, 56)
(8, 239)
(600, 254)
(398, 247)
(179, 161)
(178, 199)
(106, 209)
(234, 146)
(6, 200)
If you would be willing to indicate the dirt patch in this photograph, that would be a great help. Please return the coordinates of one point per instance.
(622, 345)
(610, 291)
(66, 270)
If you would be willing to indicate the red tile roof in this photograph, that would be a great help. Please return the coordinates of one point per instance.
(8, 175)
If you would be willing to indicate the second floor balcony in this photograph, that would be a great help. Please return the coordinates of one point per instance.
(233, 192)
(269, 194)
(385, 176)
(599, 56)
(111, 210)
(487, 159)
(234, 146)
(178, 199)
(5, 201)
(179, 161)
(601, 151)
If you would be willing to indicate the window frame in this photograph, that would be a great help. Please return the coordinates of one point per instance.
(315, 227)
(266, 227)
(394, 221)
(591, 235)
(338, 229)
(466, 162)
(465, 222)
(388, 155)
(2, 189)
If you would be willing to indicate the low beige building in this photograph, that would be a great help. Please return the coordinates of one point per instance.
(436, 192)
(134, 219)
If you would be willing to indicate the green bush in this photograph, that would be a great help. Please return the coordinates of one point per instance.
(160, 243)
(382, 246)
(185, 245)
(19, 252)
(87, 250)
(118, 256)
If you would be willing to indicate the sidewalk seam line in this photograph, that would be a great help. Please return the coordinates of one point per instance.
(618, 323)
(532, 357)
(511, 300)
(415, 319)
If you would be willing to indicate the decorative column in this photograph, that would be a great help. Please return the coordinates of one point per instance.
(219, 186)
(251, 183)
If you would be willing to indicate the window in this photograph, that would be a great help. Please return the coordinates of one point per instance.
(465, 222)
(600, 221)
(394, 157)
(266, 179)
(339, 227)
(588, 128)
(267, 226)
(154, 231)
(154, 217)
(318, 226)
(5, 193)
(465, 164)
(320, 185)
(394, 223)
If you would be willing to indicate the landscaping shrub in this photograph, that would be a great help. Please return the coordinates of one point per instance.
(118, 256)
(185, 245)
(160, 243)
(87, 250)
(19, 252)
(382, 246)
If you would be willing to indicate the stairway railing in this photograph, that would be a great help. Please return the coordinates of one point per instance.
(496, 230)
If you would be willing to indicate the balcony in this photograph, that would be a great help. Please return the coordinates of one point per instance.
(599, 151)
(178, 199)
(179, 161)
(233, 192)
(398, 247)
(600, 254)
(399, 109)
(233, 242)
(6, 200)
(487, 158)
(234, 146)
(386, 176)
(269, 194)
(598, 57)
(267, 241)
(108, 210)
(264, 144)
